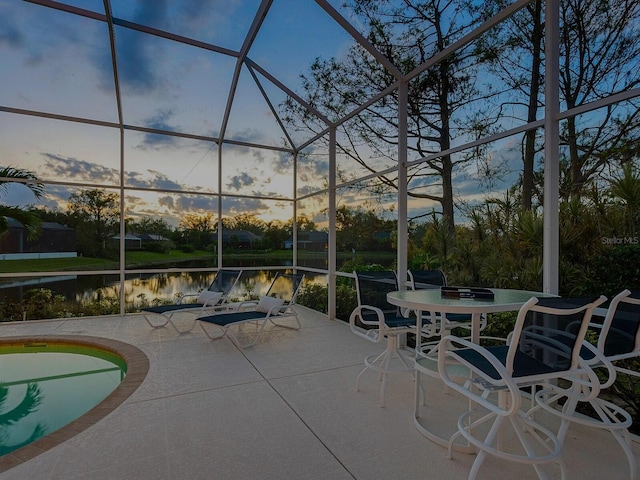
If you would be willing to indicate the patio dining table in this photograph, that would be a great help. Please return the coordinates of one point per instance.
(434, 302)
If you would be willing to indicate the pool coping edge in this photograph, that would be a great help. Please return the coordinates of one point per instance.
(137, 370)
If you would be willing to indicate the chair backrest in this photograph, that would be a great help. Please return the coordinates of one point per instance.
(548, 335)
(422, 279)
(285, 286)
(620, 334)
(372, 288)
(224, 281)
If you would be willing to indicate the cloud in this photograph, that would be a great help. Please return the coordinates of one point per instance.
(249, 135)
(282, 163)
(79, 170)
(56, 197)
(135, 66)
(238, 182)
(160, 121)
(190, 203)
(70, 168)
(154, 141)
(313, 167)
(41, 34)
(156, 180)
(167, 201)
(137, 55)
(233, 206)
(140, 56)
(10, 36)
(307, 189)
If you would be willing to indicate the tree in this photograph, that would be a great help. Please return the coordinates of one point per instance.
(197, 229)
(626, 188)
(247, 221)
(153, 226)
(275, 234)
(95, 215)
(362, 230)
(29, 219)
(514, 51)
(439, 99)
(600, 55)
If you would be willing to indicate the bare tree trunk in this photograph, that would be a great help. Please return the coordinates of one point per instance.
(530, 136)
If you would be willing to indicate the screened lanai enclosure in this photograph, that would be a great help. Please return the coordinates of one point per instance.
(155, 139)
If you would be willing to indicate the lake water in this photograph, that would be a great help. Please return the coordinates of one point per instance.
(148, 286)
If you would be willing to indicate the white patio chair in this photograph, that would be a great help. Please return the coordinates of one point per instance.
(618, 339)
(376, 320)
(499, 373)
(437, 324)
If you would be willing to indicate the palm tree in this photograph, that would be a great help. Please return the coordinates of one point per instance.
(28, 219)
(8, 418)
(626, 187)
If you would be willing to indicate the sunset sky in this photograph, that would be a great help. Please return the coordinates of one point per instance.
(58, 62)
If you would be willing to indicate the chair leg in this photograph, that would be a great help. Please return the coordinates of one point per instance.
(367, 367)
(154, 325)
(610, 417)
(383, 365)
(527, 432)
(170, 321)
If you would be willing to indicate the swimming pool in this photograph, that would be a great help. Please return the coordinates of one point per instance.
(52, 384)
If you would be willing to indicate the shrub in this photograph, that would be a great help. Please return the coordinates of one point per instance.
(614, 270)
(159, 247)
(315, 296)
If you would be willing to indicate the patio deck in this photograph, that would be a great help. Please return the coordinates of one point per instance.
(284, 409)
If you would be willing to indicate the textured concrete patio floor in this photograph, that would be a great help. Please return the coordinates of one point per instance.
(284, 409)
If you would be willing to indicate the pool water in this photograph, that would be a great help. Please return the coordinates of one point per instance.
(43, 387)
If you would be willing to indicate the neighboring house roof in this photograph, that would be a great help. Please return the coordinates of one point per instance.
(151, 237)
(127, 237)
(13, 223)
(241, 235)
(312, 236)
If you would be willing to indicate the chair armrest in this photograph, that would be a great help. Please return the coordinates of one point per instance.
(479, 384)
(599, 360)
(181, 299)
(373, 335)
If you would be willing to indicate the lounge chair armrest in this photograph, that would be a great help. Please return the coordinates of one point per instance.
(187, 295)
(245, 305)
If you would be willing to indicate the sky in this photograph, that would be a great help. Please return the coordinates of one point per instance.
(60, 63)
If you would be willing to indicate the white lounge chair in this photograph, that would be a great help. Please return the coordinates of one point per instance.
(215, 295)
(274, 305)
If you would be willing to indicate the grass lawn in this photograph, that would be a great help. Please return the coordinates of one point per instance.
(56, 264)
(142, 259)
(134, 260)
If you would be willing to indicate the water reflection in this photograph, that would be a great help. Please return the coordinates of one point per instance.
(12, 415)
(165, 286)
(168, 286)
(147, 287)
(44, 387)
